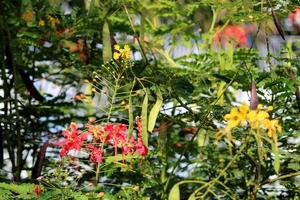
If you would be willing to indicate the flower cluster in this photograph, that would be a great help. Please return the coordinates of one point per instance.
(37, 190)
(294, 19)
(256, 119)
(231, 34)
(28, 16)
(53, 21)
(73, 140)
(122, 53)
(103, 138)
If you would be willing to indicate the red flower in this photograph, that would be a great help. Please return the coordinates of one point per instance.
(72, 140)
(232, 33)
(128, 148)
(96, 153)
(295, 19)
(141, 149)
(37, 190)
(138, 121)
(294, 16)
(116, 135)
(97, 131)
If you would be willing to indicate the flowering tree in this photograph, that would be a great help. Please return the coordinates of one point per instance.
(150, 100)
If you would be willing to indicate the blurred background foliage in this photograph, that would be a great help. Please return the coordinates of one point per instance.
(203, 57)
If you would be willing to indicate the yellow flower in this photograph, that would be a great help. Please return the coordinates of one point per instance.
(41, 23)
(53, 21)
(261, 115)
(116, 55)
(123, 53)
(27, 16)
(272, 126)
(117, 47)
(126, 52)
(233, 119)
(243, 112)
(270, 108)
(256, 117)
(259, 106)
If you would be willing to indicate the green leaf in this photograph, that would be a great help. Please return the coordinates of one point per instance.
(220, 94)
(55, 193)
(182, 86)
(201, 138)
(275, 151)
(260, 148)
(142, 35)
(79, 196)
(55, 3)
(154, 111)
(20, 189)
(162, 149)
(5, 194)
(167, 57)
(144, 120)
(107, 52)
(130, 116)
(174, 193)
(119, 157)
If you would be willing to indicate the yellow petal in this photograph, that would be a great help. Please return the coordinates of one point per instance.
(244, 108)
(41, 23)
(227, 117)
(270, 133)
(262, 115)
(126, 47)
(251, 116)
(270, 108)
(117, 47)
(116, 55)
(259, 107)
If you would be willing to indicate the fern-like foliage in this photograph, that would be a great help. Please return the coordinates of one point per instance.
(114, 85)
(11, 191)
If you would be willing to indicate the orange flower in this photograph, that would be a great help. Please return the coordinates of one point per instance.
(37, 190)
(231, 34)
(27, 16)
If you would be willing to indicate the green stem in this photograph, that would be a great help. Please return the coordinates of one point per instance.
(280, 178)
(211, 183)
(203, 121)
(97, 173)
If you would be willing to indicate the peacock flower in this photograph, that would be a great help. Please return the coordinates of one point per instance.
(124, 53)
(117, 47)
(272, 126)
(116, 55)
(37, 190)
(53, 21)
(233, 118)
(141, 149)
(96, 153)
(116, 135)
(27, 16)
(97, 131)
(72, 140)
(41, 23)
(256, 117)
